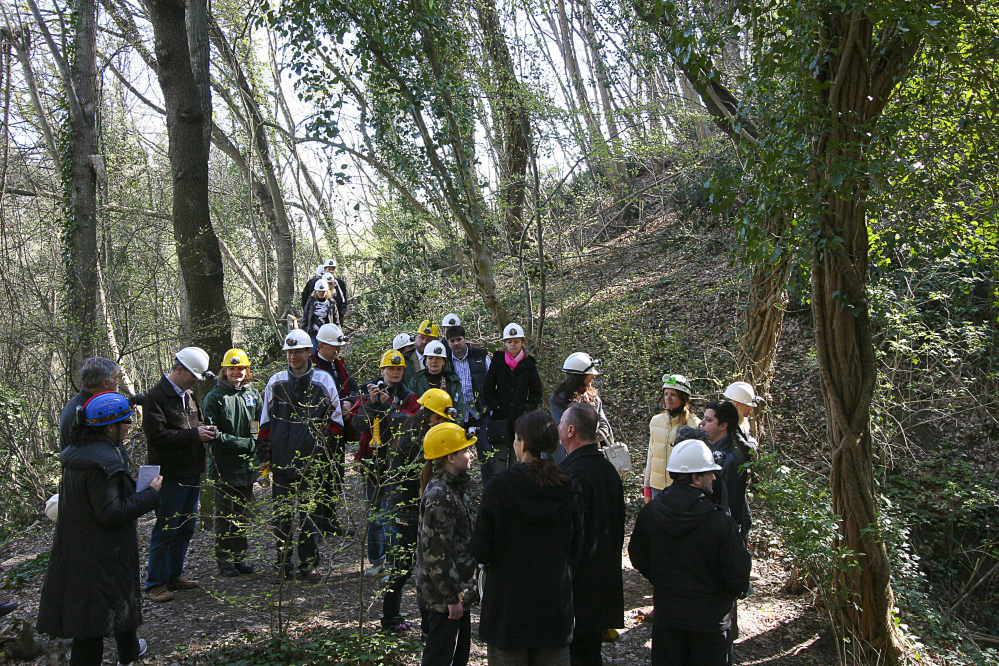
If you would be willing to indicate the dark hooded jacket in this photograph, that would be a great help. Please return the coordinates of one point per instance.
(68, 416)
(598, 587)
(508, 394)
(530, 540)
(691, 551)
(92, 585)
(232, 455)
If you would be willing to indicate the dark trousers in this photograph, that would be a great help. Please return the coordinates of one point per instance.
(290, 498)
(447, 642)
(585, 648)
(90, 651)
(374, 496)
(482, 447)
(176, 518)
(231, 519)
(400, 558)
(331, 483)
(671, 647)
(528, 657)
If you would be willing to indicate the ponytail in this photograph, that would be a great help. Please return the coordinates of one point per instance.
(539, 433)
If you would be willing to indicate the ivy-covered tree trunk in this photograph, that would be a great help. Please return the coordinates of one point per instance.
(182, 79)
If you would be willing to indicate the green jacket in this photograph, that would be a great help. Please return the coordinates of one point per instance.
(231, 456)
(420, 385)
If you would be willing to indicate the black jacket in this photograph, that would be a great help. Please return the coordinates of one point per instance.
(530, 540)
(729, 489)
(598, 588)
(508, 394)
(172, 432)
(68, 416)
(476, 357)
(691, 551)
(405, 465)
(92, 585)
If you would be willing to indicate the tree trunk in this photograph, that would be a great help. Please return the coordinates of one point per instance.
(183, 79)
(513, 122)
(82, 228)
(843, 340)
(764, 319)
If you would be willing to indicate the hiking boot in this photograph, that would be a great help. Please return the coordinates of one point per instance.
(228, 571)
(310, 576)
(244, 568)
(400, 627)
(159, 593)
(8, 608)
(182, 584)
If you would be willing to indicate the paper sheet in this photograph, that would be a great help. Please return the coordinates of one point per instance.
(146, 474)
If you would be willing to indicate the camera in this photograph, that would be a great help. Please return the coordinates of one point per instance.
(137, 399)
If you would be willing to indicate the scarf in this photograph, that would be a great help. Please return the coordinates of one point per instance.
(511, 361)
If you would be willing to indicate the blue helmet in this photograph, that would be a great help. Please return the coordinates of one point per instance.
(105, 409)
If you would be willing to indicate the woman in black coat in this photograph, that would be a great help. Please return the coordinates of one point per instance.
(528, 535)
(512, 388)
(91, 588)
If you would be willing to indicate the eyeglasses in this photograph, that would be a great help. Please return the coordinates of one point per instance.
(127, 422)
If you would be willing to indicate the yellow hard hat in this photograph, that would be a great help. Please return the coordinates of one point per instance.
(426, 328)
(392, 359)
(234, 358)
(439, 402)
(445, 438)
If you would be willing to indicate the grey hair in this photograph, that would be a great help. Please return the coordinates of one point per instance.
(584, 418)
(95, 370)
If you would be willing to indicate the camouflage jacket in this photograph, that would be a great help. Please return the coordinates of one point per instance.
(444, 567)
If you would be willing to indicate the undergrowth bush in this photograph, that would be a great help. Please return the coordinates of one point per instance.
(315, 647)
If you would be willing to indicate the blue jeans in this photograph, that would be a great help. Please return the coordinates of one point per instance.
(374, 495)
(176, 518)
(482, 447)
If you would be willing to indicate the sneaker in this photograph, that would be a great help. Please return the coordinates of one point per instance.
(375, 569)
(182, 584)
(244, 568)
(142, 650)
(159, 593)
(228, 571)
(400, 627)
(7, 608)
(310, 576)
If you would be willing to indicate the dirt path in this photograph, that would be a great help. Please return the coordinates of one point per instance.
(776, 628)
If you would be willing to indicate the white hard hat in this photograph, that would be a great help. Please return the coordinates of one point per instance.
(742, 392)
(676, 382)
(330, 263)
(328, 278)
(194, 359)
(331, 334)
(513, 331)
(435, 348)
(451, 320)
(297, 339)
(321, 286)
(580, 363)
(320, 269)
(690, 457)
(402, 341)
(52, 508)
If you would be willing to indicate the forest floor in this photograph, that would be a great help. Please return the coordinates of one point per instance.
(667, 283)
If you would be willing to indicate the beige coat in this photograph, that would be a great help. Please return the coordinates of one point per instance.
(662, 433)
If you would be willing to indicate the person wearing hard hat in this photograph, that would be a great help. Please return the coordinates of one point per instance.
(471, 365)
(426, 333)
(580, 370)
(663, 428)
(404, 343)
(405, 462)
(513, 387)
(597, 583)
(436, 374)
(691, 551)
(91, 588)
(450, 320)
(529, 538)
(175, 440)
(319, 311)
(327, 357)
(445, 569)
(337, 289)
(378, 418)
(98, 375)
(234, 407)
(743, 396)
(721, 422)
(301, 408)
